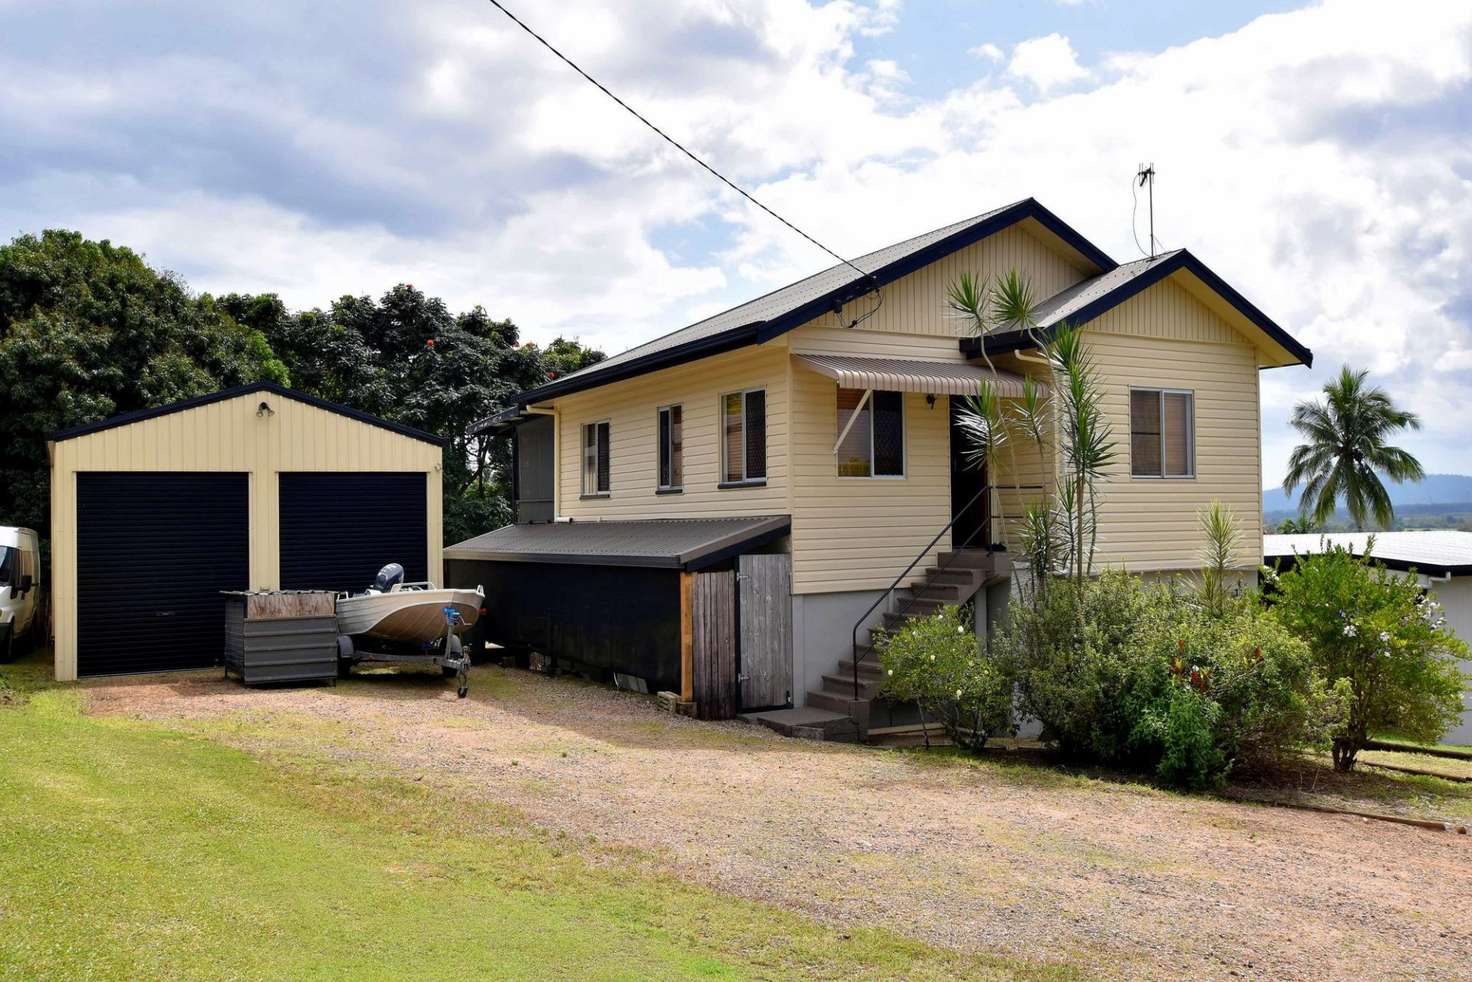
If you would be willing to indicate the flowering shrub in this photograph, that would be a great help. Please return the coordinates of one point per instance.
(1384, 643)
(937, 663)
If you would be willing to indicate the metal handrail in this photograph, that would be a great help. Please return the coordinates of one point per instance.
(884, 597)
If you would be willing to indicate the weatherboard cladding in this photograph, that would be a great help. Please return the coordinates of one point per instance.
(781, 310)
(655, 542)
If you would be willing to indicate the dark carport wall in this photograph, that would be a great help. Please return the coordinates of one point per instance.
(617, 601)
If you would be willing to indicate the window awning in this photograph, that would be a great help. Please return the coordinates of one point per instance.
(954, 378)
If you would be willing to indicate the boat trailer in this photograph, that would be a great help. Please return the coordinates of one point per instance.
(447, 653)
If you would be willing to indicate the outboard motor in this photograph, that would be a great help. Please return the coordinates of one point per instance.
(388, 578)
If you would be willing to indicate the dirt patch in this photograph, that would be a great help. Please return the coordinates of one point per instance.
(989, 856)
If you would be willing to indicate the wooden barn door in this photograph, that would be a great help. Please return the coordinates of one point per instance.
(713, 620)
(765, 591)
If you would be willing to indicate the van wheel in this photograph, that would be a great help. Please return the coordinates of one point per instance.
(8, 654)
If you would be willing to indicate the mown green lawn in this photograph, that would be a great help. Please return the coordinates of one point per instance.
(130, 850)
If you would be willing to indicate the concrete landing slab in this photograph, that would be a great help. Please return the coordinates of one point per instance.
(806, 722)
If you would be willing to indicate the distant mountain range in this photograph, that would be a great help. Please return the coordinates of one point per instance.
(1436, 489)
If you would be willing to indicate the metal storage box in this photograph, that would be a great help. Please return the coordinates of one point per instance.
(281, 636)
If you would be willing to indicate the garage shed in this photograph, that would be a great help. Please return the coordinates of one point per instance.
(153, 513)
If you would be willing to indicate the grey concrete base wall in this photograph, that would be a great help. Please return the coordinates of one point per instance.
(822, 628)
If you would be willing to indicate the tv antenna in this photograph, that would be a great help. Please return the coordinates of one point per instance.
(1145, 178)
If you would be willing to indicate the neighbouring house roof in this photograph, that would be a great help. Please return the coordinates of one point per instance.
(1085, 301)
(674, 543)
(794, 305)
(909, 375)
(125, 419)
(1433, 553)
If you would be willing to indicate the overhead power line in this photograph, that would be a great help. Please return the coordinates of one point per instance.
(681, 147)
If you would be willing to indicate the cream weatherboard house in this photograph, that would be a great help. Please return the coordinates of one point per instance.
(814, 424)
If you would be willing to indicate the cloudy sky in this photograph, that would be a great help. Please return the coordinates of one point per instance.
(1319, 157)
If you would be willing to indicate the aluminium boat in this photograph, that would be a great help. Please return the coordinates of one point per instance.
(396, 612)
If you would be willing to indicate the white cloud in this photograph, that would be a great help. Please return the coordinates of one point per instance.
(1047, 62)
(1319, 160)
(882, 18)
(987, 52)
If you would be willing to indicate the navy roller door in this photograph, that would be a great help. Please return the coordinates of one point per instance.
(339, 529)
(154, 550)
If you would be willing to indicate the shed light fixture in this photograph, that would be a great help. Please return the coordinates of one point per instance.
(264, 409)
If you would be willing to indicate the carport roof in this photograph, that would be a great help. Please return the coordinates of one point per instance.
(138, 415)
(673, 543)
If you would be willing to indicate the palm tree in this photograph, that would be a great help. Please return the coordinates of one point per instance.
(1347, 436)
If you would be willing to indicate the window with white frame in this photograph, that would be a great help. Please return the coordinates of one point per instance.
(595, 458)
(1162, 433)
(671, 449)
(871, 428)
(744, 437)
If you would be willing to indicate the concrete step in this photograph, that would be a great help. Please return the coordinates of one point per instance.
(831, 701)
(894, 622)
(920, 606)
(808, 722)
(960, 575)
(942, 593)
(841, 684)
(979, 559)
(869, 669)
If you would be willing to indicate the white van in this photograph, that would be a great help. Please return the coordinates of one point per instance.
(20, 589)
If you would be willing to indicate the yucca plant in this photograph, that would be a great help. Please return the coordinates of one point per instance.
(1219, 527)
(1039, 540)
(1087, 447)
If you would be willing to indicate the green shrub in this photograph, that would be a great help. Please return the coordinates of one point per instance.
(1075, 653)
(937, 663)
(1142, 675)
(1380, 641)
(1189, 752)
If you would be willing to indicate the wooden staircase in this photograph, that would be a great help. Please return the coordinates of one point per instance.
(955, 579)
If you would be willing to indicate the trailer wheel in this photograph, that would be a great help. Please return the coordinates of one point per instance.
(344, 668)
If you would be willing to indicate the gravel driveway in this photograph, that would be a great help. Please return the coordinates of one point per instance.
(1122, 879)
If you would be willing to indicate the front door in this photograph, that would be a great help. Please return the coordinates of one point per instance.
(969, 506)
